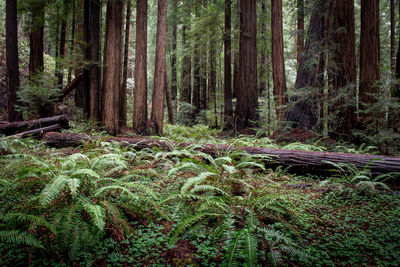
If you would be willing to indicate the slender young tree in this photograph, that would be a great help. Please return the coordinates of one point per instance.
(112, 66)
(396, 91)
(392, 37)
(63, 36)
(174, 79)
(122, 95)
(157, 111)
(228, 106)
(247, 104)
(87, 56)
(140, 97)
(278, 63)
(12, 60)
(369, 50)
(186, 77)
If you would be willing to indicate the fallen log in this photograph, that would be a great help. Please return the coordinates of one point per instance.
(299, 161)
(23, 126)
(38, 132)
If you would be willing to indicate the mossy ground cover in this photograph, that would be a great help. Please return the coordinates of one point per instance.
(106, 205)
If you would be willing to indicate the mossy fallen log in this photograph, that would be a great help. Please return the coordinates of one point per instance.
(298, 161)
(23, 126)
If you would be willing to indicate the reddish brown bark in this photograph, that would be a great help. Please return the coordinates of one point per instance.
(278, 63)
(12, 60)
(36, 38)
(186, 77)
(140, 97)
(122, 95)
(246, 111)
(22, 126)
(300, 31)
(95, 72)
(157, 111)
(112, 66)
(369, 51)
(174, 79)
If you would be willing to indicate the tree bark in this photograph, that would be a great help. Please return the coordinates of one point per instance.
(228, 106)
(300, 31)
(278, 62)
(113, 66)
(36, 62)
(298, 161)
(87, 56)
(140, 97)
(396, 91)
(247, 102)
(392, 37)
(22, 126)
(212, 79)
(343, 77)
(174, 79)
(63, 36)
(157, 111)
(369, 51)
(304, 112)
(12, 60)
(95, 71)
(168, 97)
(186, 78)
(75, 83)
(122, 95)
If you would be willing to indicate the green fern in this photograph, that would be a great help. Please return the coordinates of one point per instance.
(52, 190)
(20, 238)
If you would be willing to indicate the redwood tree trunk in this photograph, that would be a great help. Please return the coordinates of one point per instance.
(36, 38)
(140, 97)
(157, 111)
(112, 66)
(396, 92)
(343, 77)
(95, 73)
(247, 103)
(12, 60)
(63, 36)
(87, 56)
(392, 37)
(228, 107)
(122, 95)
(369, 50)
(278, 63)
(174, 79)
(186, 88)
(300, 31)
(304, 113)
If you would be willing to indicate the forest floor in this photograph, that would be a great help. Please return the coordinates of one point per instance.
(106, 205)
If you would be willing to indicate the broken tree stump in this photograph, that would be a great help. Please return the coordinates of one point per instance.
(299, 161)
(23, 126)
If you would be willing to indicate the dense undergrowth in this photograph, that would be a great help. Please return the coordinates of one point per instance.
(106, 204)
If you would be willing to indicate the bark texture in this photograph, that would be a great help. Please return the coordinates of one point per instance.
(299, 161)
(95, 71)
(22, 126)
(278, 62)
(369, 51)
(122, 95)
(228, 106)
(112, 66)
(157, 111)
(36, 38)
(12, 60)
(247, 103)
(300, 31)
(140, 97)
(186, 77)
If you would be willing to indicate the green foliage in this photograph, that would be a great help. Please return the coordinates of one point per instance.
(186, 114)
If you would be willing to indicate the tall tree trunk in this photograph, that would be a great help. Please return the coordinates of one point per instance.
(304, 113)
(63, 36)
(72, 47)
(157, 111)
(95, 72)
(174, 79)
(186, 88)
(300, 31)
(36, 62)
(392, 37)
(12, 60)
(343, 77)
(168, 97)
(247, 103)
(122, 95)
(212, 78)
(196, 74)
(236, 80)
(87, 56)
(278, 63)
(203, 78)
(112, 66)
(140, 97)
(396, 91)
(369, 51)
(228, 106)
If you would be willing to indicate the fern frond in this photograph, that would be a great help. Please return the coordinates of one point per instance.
(185, 224)
(195, 180)
(124, 190)
(28, 218)
(250, 244)
(51, 191)
(86, 173)
(20, 238)
(73, 185)
(97, 214)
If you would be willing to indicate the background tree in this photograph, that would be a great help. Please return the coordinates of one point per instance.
(12, 60)
(228, 107)
(36, 36)
(140, 97)
(157, 115)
